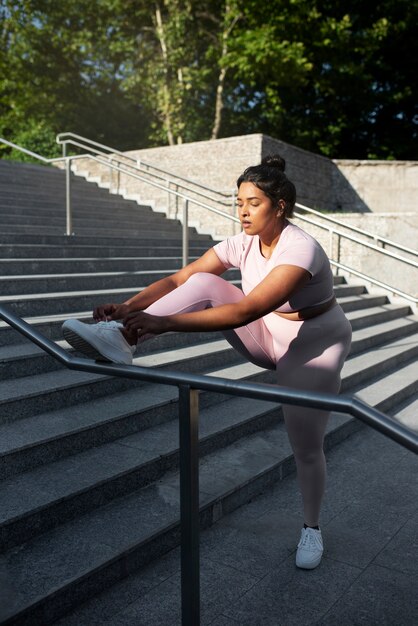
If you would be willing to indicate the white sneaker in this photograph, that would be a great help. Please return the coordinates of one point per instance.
(102, 341)
(310, 549)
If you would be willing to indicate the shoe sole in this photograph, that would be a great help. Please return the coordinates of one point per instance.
(309, 565)
(83, 346)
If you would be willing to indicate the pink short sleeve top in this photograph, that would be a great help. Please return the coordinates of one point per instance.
(295, 247)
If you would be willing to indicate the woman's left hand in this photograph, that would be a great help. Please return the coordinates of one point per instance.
(142, 323)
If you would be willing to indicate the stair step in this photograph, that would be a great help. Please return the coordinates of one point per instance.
(60, 266)
(48, 391)
(85, 555)
(18, 359)
(393, 388)
(408, 414)
(35, 284)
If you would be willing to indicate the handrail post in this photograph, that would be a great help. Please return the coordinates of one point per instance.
(185, 237)
(189, 505)
(69, 225)
(330, 238)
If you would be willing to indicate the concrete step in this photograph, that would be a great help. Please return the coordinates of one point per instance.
(90, 210)
(82, 241)
(363, 318)
(362, 301)
(101, 231)
(15, 285)
(128, 532)
(17, 360)
(37, 393)
(97, 210)
(130, 462)
(33, 266)
(168, 247)
(393, 388)
(27, 453)
(66, 301)
(50, 325)
(407, 414)
(113, 219)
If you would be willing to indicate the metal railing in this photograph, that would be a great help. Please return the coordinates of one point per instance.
(68, 138)
(170, 178)
(188, 387)
(135, 172)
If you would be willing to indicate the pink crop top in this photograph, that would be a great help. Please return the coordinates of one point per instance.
(295, 247)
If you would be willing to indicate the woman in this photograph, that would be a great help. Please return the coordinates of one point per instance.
(285, 318)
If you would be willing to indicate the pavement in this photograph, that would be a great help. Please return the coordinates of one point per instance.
(368, 575)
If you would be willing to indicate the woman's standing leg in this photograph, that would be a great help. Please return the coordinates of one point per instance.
(310, 356)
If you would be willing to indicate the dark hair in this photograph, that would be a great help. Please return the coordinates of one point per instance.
(269, 176)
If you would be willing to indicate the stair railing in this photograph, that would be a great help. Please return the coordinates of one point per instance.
(136, 173)
(66, 139)
(159, 173)
(189, 386)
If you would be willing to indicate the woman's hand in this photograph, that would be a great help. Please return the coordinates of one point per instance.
(142, 323)
(112, 311)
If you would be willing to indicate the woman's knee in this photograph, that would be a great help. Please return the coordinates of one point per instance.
(202, 278)
(213, 287)
(308, 456)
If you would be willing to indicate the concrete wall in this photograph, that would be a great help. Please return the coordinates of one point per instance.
(381, 186)
(381, 196)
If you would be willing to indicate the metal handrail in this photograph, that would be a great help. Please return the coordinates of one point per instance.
(139, 163)
(215, 192)
(187, 200)
(188, 386)
(374, 281)
(365, 244)
(361, 231)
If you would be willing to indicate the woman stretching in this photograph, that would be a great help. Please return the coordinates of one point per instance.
(285, 318)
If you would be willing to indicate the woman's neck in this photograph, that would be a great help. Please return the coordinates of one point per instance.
(268, 243)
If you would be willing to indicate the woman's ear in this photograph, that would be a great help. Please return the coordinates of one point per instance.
(281, 205)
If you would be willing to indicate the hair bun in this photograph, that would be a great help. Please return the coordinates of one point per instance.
(274, 160)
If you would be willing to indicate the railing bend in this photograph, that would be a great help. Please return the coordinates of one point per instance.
(188, 386)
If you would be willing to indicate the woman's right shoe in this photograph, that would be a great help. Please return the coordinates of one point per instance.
(102, 341)
(310, 549)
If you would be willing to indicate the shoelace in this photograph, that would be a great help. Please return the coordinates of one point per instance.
(309, 542)
(111, 324)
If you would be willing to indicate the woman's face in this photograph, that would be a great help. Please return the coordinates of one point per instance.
(257, 214)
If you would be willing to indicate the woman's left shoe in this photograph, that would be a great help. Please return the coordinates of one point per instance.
(310, 549)
(101, 341)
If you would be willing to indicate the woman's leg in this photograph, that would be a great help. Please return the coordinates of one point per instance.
(204, 290)
(310, 356)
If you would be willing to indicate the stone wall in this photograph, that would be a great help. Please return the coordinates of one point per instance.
(378, 196)
(381, 186)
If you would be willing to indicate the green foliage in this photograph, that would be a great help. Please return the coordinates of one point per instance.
(337, 77)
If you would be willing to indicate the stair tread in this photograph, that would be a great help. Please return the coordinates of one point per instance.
(111, 459)
(28, 349)
(408, 416)
(81, 545)
(57, 379)
(65, 377)
(376, 393)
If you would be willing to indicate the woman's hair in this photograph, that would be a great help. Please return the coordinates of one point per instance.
(269, 176)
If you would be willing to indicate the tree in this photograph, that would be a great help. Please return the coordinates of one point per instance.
(333, 77)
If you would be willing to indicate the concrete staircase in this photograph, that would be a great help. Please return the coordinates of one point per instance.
(88, 463)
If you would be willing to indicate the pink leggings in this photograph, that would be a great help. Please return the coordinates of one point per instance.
(306, 355)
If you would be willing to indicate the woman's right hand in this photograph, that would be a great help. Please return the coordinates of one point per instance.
(112, 311)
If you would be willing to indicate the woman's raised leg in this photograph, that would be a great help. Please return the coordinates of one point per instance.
(203, 290)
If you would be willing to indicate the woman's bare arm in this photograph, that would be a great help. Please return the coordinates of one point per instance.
(208, 262)
(271, 293)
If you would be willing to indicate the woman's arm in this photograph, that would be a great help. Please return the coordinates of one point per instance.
(208, 262)
(271, 293)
